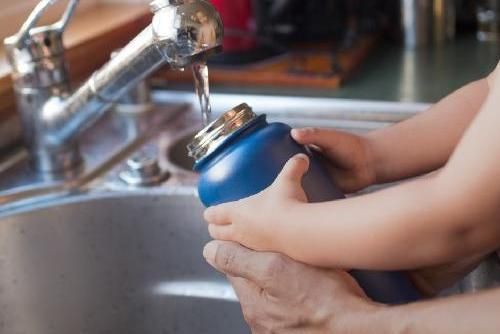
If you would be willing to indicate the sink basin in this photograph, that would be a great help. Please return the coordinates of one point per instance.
(112, 263)
(124, 260)
(177, 153)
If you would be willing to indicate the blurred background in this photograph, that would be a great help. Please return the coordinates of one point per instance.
(404, 50)
(394, 50)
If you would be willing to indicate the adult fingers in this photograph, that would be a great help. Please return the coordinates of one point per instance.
(246, 291)
(238, 261)
(253, 305)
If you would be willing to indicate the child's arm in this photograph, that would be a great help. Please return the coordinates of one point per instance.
(422, 223)
(425, 142)
(410, 148)
(425, 222)
(416, 224)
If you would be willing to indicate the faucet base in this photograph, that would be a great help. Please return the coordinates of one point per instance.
(63, 161)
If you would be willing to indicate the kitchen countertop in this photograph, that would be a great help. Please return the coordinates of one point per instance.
(393, 74)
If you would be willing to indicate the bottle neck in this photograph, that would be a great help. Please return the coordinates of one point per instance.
(249, 127)
(216, 133)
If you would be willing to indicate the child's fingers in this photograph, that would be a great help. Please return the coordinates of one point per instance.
(309, 136)
(295, 168)
(337, 145)
(221, 232)
(493, 76)
(219, 215)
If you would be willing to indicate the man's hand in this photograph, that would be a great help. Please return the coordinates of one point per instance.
(256, 222)
(279, 295)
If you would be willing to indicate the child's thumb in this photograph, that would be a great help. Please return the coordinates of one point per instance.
(295, 168)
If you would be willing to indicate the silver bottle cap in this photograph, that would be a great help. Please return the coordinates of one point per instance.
(216, 133)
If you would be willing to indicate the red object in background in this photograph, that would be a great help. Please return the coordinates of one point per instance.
(238, 16)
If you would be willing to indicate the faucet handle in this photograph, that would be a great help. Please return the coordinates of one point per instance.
(36, 53)
(24, 35)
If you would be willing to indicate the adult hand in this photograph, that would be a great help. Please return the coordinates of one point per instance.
(279, 295)
(351, 162)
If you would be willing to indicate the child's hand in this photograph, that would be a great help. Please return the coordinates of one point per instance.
(351, 164)
(493, 76)
(257, 221)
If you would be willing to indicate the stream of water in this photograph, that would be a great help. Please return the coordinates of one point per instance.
(202, 88)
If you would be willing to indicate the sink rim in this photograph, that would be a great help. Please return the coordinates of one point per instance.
(319, 107)
(64, 199)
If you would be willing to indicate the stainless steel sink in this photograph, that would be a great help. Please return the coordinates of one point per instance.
(104, 257)
(177, 153)
(99, 256)
(112, 263)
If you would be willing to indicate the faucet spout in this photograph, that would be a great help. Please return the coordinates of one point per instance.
(182, 32)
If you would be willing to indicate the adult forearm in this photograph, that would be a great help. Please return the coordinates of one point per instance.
(425, 142)
(474, 313)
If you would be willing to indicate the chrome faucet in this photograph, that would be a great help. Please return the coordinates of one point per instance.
(182, 32)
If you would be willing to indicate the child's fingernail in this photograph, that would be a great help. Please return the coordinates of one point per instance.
(207, 214)
(209, 252)
(301, 156)
(300, 131)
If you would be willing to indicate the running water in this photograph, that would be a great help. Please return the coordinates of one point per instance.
(202, 87)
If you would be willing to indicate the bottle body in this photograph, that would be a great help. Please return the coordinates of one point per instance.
(253, 163)
(250, 161)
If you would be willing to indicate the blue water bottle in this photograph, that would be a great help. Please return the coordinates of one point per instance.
(241, 154)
